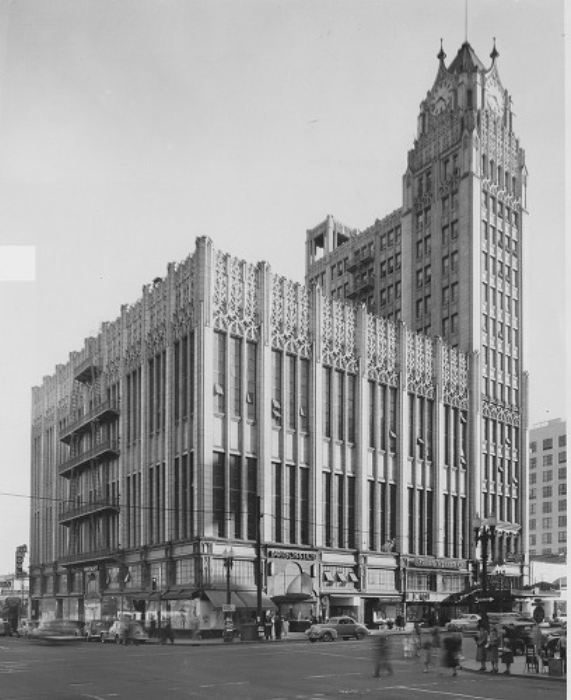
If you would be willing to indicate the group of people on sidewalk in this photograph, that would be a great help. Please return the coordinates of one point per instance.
(488, 644)
(434, 647)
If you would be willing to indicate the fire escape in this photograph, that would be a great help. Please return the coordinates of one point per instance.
(91, 447)
(363, 278)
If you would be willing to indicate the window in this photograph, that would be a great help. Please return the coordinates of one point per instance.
(454, 323)
(532, 494)
(427, 274)
(547, 523)
(533, 478)
(419, 278)
(454, 291)
(533, 447)
(547, 460)
(219, 372)
(562, 536)
(418, 308)
(562, 472)
(547, 507)
(445, 326)
(445, 296)
(397, 290)
(532, 539)
(562, 457)
(533, 524)
(533, 463)
(562, 521)
(427, 245)
(419, 249)
(546, 537)
(562, 489)
(562, 441)
(548, 444)
(276, 389)
(548, 475)
(532, 508)
(454, 230)
(547, 491)
(454, 261)
(445, 264)
(445, 235)
(383, 271)
(562, 508)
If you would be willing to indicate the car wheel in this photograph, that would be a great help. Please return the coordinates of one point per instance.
(327, 637)
(117, 640)
(359, 634)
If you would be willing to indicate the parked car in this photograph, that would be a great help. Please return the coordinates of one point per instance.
(25, 627)
(5, 628)
(344, 627)
(58, 631)
(94, 629)
(467, 622)
(124, 632)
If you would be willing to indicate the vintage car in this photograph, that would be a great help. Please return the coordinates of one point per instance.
(343, 626)
(125, 632)
(58, 631)
(467, 623)
(95, 629)
(25, 626)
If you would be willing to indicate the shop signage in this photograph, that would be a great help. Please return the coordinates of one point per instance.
(438, 563)
(291, 554)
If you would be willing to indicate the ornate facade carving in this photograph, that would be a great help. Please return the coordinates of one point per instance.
(338, 334)
(420, 364)
(510, 416)
(381, 351)
(289, 317)
(235, 297)
(454, 378)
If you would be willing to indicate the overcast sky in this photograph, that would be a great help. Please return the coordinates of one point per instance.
(129, 128)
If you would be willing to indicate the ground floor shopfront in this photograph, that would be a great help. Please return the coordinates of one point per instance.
(189, 585)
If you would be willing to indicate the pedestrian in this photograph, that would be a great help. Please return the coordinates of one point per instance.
(416, 641)
(167, 633)
(285, 627)
(436, 646)
(452, 651)
(493, 648)
(383, 656)
(399, 622)
(268, 626)
(278, 626)
(426, 644)
(153, 629)
(481, 643)
(507, 652)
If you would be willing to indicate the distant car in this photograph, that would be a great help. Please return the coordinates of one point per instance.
(343, 626)
(125, 632)
(25, 627)
(58, 631)
(561, 619)
(464, 623)
(94, 629)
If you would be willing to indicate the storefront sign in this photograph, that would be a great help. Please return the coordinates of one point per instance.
(438, 563)
(291, 554)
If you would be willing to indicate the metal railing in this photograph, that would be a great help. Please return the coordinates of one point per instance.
(85, 457)
(85, 509)
(83, 421)
(91, 556)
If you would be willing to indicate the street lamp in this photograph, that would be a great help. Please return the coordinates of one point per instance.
(484, 532)
(228, 555)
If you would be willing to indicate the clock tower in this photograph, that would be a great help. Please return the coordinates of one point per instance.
(464, 204)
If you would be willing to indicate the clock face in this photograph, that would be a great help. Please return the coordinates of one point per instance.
(441, 97)
(494, 98)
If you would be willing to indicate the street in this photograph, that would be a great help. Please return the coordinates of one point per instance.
(272, 671)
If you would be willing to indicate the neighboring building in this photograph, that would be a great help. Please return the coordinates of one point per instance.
(361, 437)
(548, 488)
(448, 263)
(14, 592)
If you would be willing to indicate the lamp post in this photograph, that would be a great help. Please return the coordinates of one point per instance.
(484, 532)
(228, 555)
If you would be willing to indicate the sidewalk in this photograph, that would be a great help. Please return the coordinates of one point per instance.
(468, 650)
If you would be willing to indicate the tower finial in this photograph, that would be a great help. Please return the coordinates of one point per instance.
(441, 55)
(466, 21)
(495, 53)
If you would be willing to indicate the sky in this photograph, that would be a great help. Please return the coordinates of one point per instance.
(129, 128)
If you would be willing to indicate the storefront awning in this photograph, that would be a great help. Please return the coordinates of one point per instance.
(180, 594)
(219, 598)
(250, 600)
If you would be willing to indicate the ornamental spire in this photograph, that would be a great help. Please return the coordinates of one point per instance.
(441, 55)
(495, 53)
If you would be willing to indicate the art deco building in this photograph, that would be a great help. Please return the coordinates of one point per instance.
(370, 442)
(448, 263)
